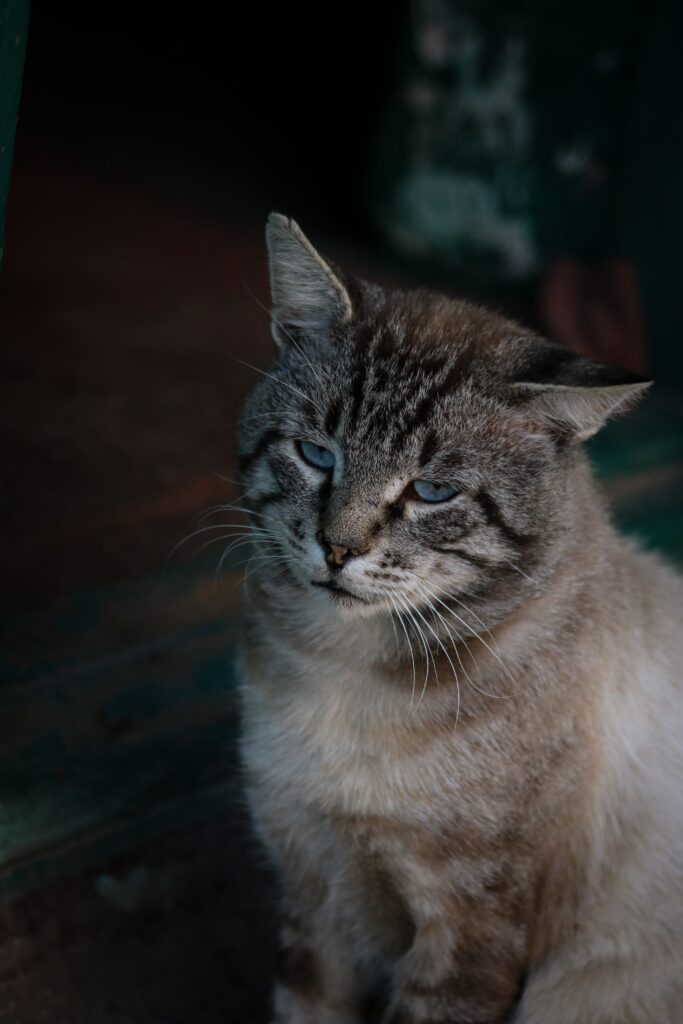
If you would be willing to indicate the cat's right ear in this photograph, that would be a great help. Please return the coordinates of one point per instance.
(308, 296)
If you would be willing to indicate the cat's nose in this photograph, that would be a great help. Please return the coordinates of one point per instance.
(335, 554)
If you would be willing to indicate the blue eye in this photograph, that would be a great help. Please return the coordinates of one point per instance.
(316, 455)
(428, 491)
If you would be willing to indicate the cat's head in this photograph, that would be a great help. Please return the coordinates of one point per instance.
(406, 447)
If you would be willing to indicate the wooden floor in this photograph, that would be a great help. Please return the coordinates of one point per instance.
(131, 889)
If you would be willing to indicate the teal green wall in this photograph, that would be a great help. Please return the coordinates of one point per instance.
(13, 30)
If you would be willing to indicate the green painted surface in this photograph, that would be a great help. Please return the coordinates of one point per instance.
(117, 721)
(639, 458)
(13, 30)
(649, 437)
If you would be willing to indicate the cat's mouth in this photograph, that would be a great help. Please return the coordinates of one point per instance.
(338, 592)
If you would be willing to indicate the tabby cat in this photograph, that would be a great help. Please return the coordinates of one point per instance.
(462, 708)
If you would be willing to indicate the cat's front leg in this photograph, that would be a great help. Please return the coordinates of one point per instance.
(448, 978)
(315, 981)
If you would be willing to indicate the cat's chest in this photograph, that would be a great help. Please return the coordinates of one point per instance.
(339, 742)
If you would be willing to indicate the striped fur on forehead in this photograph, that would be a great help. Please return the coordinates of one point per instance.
(397, 347)
(393, 369)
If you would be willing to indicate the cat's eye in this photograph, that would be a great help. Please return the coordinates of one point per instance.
(428, 491)
(316, 455)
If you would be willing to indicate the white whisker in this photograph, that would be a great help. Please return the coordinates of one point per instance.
(410, 648)
(231, 547)
(283, 383)
(423, 643)
(468, 626)
(517, 569)
(455, 674)
(284, 330)
(458, 638)
(215, 509)
(217, 526)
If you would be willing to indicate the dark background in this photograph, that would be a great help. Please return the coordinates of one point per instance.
(150, 149)
(233, 111)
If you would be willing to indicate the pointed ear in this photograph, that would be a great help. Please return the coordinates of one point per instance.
(307, 294)
(572, 394)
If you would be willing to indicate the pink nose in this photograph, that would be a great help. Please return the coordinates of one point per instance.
(336, 554)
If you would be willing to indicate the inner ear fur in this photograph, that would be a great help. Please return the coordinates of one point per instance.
(308, 293)
(570, 393)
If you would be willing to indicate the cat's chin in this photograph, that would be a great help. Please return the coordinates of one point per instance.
(344, 601)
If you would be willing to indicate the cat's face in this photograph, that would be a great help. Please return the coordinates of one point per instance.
(406, 449)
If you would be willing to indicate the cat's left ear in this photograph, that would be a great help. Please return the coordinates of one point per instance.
(307, 294)
(570, 393)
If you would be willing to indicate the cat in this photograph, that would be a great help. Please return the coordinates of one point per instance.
(462, 730)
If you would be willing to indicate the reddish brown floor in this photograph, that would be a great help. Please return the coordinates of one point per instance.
(121, 321)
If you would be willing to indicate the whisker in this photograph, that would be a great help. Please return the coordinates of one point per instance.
(480, 638)
(410, 646)
(240, 542)
(468, 626)
(260, 559)
(423, 643)
(215, 509)
(284, 330)
(496, 696)
(230, 480)
(474, 615)
(468, 677)
(421, 616)
(283, 417)
(393, 626)
(284, 383)
(455, 674)
(216, 526)
(256, 541)
(517, 569)
(459, 640)
(225, 536)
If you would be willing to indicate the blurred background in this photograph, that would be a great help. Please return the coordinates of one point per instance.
(524, 154)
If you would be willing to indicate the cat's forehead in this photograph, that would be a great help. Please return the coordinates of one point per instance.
(418, 372)
(419, 424)
(404, 389)
(418, 333)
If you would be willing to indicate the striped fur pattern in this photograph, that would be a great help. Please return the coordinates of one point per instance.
(463, 737)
